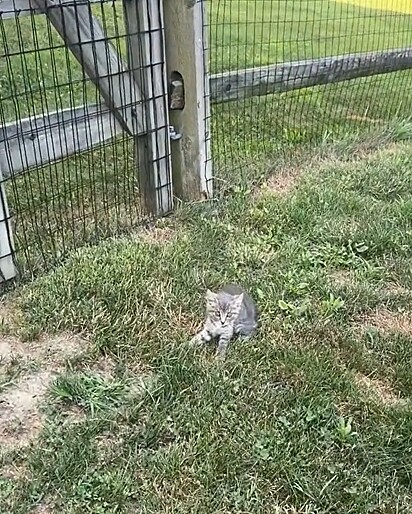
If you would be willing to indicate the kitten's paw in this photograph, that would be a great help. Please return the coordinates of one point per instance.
(196, 341)
(220, 356)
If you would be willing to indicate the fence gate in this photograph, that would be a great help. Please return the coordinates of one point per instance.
(151, 84)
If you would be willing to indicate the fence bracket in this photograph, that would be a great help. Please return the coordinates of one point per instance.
(174, 136)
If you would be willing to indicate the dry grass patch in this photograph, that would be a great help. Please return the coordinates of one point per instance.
(45, 507)
(387, 321)
(13, 471)
(108, 443)
(379, 389)
(156, 234)
(393, 289)
(191, 323)
(363, 119)
(287, 176)
(342, 278)
(20, 415)
(10, 316)
(283, 182)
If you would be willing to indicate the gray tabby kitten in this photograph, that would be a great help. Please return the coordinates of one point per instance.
(229, 312)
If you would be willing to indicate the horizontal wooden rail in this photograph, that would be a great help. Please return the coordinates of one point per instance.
(38, 140)
(279, 78)
(47, 138)
(17, 8)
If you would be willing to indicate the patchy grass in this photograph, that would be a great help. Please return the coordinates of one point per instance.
(386, 321)
(383, 392)
(312, 415)
(88, 197)
(28, 370)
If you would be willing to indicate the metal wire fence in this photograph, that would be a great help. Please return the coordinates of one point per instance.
(247, 34)
(59, 205)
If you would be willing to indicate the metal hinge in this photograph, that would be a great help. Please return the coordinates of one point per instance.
(174, 136)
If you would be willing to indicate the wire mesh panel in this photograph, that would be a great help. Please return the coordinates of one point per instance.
(251, 34)
(92, 190)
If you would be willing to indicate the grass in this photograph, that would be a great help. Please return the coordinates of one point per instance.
(248, 34)
(87, 197)
(311, 416)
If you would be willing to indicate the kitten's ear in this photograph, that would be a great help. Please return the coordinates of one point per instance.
(210, 296)
(238, 301)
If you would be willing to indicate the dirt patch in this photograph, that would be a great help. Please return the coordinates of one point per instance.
(284, 180)
(20, 418)
(379, 389)
(59, 348)
(20, 415)
(74, 414)
(341, 278)
(104, 367)
(387, 321)
(11, 348)
(45, 351)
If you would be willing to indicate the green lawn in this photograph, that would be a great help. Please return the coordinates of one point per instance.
(104, 406)
(387, 5)
(86, 197)
(313, 415)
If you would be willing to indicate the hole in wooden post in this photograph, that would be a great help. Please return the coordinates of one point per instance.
(176, 92)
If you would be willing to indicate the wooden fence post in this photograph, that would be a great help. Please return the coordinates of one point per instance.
(146, 56)
(186, 55)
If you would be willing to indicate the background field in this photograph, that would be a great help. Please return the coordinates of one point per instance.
(299, 30)
(386, 5)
